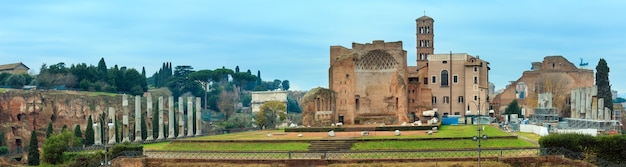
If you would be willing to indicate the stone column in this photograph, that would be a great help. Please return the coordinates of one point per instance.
(189, 116)
(149, 115)
(138, 119)
(126, 128)
(160, 108)
(600, 109)
(97, 140)
(170, 117)
(198, 117)
(181, 117)
(111, 126)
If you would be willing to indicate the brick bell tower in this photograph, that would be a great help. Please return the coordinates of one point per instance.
(425, 39)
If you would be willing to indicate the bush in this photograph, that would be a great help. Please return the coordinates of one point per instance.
(573, 142)
(611, 148)
(125, 147)
(54, 147)
(82, 159)
(4, 150)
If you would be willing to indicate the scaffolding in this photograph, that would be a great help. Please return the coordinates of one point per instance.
(603, 126)
(544, 115)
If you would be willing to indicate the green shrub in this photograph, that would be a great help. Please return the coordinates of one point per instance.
(77, 159)
(125, 147)
(573, 142)
(611, 148)
(4, 150)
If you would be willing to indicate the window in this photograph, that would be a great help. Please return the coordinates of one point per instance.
(460, 99)
(434, 100)
(425, 80)
(455, 79)
(421, 30)
(434, 79)
(475, 69)
(444, 62)
(421, 43)
(457, 113)
(446, 99)
(475, 97)
(427, 30)
(475, 80)
(444, 78)
(427, 43)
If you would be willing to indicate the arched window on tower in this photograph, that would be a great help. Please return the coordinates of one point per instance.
(427, 30)
(444, 78)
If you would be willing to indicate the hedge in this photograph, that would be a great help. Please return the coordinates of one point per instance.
(609, 148)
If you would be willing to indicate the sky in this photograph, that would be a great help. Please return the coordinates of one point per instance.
(290, 40)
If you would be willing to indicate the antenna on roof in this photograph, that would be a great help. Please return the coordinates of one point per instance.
(583, 64)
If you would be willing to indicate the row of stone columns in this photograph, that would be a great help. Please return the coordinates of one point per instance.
(160, 109)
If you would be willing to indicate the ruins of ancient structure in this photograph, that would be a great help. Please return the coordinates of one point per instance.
(372, 82)
(554, 74)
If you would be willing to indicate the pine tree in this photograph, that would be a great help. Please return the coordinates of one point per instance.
(89, 133)
(604, 87)
(33, 150)
(49, 131)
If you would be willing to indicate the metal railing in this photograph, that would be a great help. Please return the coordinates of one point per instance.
(336, 155)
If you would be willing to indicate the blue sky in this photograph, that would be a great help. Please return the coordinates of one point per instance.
(291, 39)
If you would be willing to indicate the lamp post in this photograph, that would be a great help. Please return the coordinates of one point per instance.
(479, 130)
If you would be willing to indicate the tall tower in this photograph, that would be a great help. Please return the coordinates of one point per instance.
(425, 38)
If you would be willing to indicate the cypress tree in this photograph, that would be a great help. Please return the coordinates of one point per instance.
(155, 124)
(144, 127)
(77, 132)
(89, 133)
(604, 87)
(49, 131)
(33, 150)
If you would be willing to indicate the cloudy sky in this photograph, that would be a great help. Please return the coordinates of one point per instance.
(291, 39)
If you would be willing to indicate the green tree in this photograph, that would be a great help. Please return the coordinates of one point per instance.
(271, 114)
(513, 108)
(102, 70)
(54, 147)
(15, 81)
(204, 77)
(604, 87)
(285, 85)
(33, 150)
(89, 133)
(64, 128)
(243, 78)
(144, 127)
(77, 132)
(49, 131)
(293, 106)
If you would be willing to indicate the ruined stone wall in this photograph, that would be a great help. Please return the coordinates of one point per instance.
(22, 111)
(371, 81)
(563, 72)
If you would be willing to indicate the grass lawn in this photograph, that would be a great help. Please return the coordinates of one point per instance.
(438, 144)
(2, 90)
(229, 146)
(250, 135)
(447, 131)
(100, 93)
(530, 136)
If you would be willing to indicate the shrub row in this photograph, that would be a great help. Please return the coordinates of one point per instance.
(610, 148)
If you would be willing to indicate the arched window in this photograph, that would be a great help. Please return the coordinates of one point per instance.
(444, 78)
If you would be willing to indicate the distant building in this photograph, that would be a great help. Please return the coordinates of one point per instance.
(259, 98)
(15, 68)
(554, 74)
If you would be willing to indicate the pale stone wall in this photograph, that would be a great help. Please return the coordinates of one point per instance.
(258, 98)
(465, 92)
